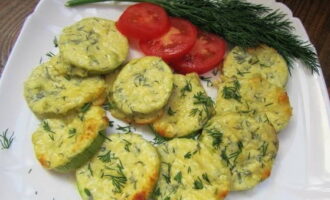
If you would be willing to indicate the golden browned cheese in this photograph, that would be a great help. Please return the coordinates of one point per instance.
(257, 97)
(137, 118)
(93, 44)
(191, 171)
(248, 147)
(50, 93)
(64, 144)
(187, 111)
(126, 167)
(245, 63)
(143, 86)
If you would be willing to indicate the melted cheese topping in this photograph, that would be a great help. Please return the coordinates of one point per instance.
(49, 93)
(247, 146)
(185, 114)
(257, 97)
(127, 167)
(64, 144)
(245, 63)
(93, 44)
(190, 171)
(117, 113)
(143, 86)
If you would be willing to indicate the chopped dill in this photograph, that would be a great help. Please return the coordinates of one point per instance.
(232, 92)
(6, 141)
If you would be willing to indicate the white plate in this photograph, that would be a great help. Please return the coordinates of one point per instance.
(302, 168)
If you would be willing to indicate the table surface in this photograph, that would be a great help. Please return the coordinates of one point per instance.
(314, 14)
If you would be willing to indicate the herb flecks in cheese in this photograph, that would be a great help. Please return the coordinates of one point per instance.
(257, 97)
(64, 144)
(196, 175)
(127, 167)
(248, 147)
(93, 44)
(188, 108)
(143, 86)
(245, 63)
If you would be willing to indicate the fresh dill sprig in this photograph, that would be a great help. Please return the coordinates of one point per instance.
(216, 137)
(119, 180)
(241, 23)
(202, 99)
(5, 140)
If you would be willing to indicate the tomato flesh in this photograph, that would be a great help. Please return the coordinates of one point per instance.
(206, 54)
(180, 38)
(143, 21)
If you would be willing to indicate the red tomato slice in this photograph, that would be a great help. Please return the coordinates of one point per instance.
(143, 21)
(180, 38)
(206, 54)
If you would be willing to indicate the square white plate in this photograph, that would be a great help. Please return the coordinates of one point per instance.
(302, 168)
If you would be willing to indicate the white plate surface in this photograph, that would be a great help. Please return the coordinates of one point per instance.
(302, 168)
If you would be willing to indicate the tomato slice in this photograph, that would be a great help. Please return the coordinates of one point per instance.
(180, 38)
(205, 55)
(143, 21)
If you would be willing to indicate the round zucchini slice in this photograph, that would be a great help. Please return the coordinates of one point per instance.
(93, 44)
(188, 108)
(126, 167)
(65, 144)
(247, 147)
(49, 93)
(143, 86)
(264, 60)
(140, 119)
(190, 170)
(257, 97)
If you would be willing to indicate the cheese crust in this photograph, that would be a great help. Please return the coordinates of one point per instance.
(248, 147)
(191, 171)
(143, 86)
(185, 113)
(257, 97)
(93, 44)
(138, 118)
(49, 93)
(264, 60)
(64, 144)
(126, 167)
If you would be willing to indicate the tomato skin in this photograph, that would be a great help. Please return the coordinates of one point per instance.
(178, 41)
(206, 54)
(143, 21)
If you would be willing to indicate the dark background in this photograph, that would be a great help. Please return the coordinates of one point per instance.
(314, 14)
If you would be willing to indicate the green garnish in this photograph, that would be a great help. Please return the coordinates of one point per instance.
(107, 157)
(207, 80)
(72, 132)
(241, 23)
(6, 141)
(186, 88)
(50, 54)
(198, 184)
(127, 145)
(118, 180)
(178, 177)
(170, 111)
(216, 137)
(206, 178)
(55, 42)
(232, 92)
(125, 129)
(47, 128)
(167, 175)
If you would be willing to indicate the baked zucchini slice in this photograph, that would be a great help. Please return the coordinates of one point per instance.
(64, 144)
(191, 171)
(93, 44)
(49, 93)
(126, 167)
(188, 108)
(137, 118)
(257, 97)
(264, 60)
(247, 147)
(143, 86)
